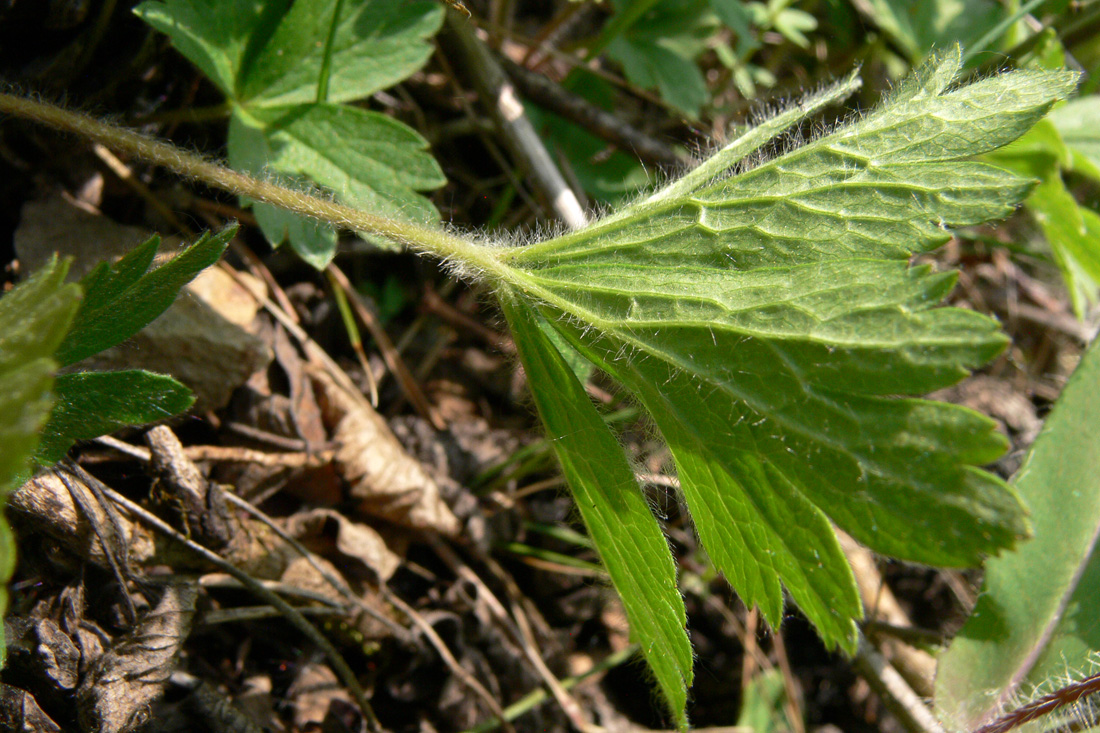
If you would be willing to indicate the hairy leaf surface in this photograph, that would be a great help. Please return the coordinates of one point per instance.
(771, 325)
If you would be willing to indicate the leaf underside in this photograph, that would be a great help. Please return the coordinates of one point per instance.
(772, 327)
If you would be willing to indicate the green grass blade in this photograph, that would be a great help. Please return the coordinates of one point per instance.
(1036, 621)
(625, 532)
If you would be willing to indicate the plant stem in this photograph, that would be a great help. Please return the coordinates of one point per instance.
(469, 258)
(1060, 698)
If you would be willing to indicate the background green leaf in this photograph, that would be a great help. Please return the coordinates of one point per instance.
(90, 404)
(763, 704)
(919, 26)
(122, 298)
(1076, 122)
(659, 49)
(272, 66)
(213, 34)
(376, 44)
(1036, 618)
(33, 320)
(1071, 230)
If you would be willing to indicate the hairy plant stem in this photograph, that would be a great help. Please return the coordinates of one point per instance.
(470, 258)
(1046, 705)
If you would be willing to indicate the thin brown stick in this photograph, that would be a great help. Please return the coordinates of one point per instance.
(229, 454)
(599, 122)
(518, 626)
(499, 95)
(894, 691)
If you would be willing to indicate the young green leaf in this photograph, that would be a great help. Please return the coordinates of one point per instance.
(771, 325)
(1035, 622)
(625, 533)
(375, 44)
(122, 298)
(215, 35)
(90, 404)
(33, 320)
(1071, 230)
(272, 63)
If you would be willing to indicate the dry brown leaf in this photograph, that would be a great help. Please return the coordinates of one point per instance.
(353, 540)
(312, 694)
(304, 410)
(46, 505)
(19, 712)
(385, 480)
(115, 695)
(38, 648)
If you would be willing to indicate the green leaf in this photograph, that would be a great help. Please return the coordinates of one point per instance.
(33, 320)
(1036, 621)
(122, 298)
(271, 69)
(375, 163)
(1076, 122)
(652, 65)
(377, 43)
(1072, 231)
(763, 705)
(771, 325)
(791, 24)
(625, 533)
(919, 26)
(213, 34)
(90, 404)
(659, 48)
